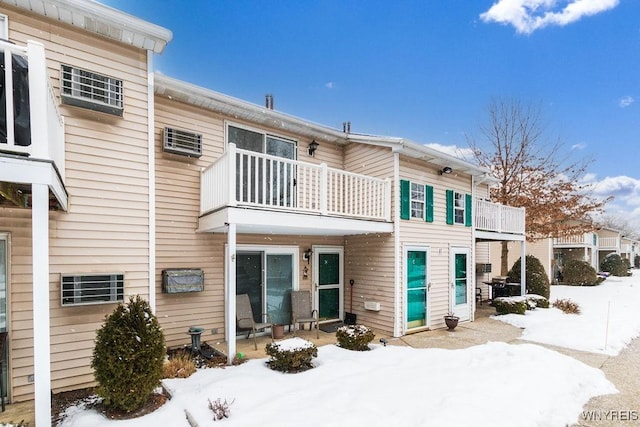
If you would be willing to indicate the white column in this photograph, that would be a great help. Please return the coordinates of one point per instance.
(230, 293)
(523, 268)
(41, 332)
(38, 90)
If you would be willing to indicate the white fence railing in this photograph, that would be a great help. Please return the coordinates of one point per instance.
(30, 123)
(246, 178)
(586, 239)
(609, 243)
(499, 218)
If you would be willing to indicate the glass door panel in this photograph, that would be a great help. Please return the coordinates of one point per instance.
(249, 280)
(329, 281)
(279, 274)
(416, 289)
(461, 278)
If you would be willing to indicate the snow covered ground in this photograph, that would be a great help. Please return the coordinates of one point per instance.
(609, 319)
(494, 384)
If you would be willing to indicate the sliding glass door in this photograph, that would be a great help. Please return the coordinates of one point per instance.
(267, 276)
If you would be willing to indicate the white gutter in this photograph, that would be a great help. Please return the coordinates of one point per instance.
(152, 180)
(102, 20)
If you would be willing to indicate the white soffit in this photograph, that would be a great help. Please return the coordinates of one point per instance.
(100, 19)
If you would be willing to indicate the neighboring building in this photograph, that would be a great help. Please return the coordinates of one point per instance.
(135, 177)
(630, 250)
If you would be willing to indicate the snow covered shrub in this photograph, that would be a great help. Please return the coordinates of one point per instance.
(291, 355)
(579, 273)
(506, 305)
(128, 356)
(615, 264)
(354, 337)
(536, 276)
(220, 409)
(567, 306)
(535, 301)
(179, 366)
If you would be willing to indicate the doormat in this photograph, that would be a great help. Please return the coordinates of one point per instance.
(331, 327)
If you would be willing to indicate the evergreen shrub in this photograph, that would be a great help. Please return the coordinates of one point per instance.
(354, 337)
(615, 264)
(536, 276)
(579, 273)
(291, 355)
(128, 356)
(506, 305)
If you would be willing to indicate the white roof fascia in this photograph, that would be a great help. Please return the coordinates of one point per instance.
(102, 20)
(215, 101)
(423, 152)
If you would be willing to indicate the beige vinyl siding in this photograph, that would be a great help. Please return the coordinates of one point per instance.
(437, 235)
(106, 227)
(177, 211)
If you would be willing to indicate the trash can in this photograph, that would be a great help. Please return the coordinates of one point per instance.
(278, 331)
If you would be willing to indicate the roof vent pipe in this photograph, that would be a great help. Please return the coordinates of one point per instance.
(346, 127)
(268, 101)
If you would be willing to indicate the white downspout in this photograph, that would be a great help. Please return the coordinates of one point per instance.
(472, 294)
(152, 180)
(396, 247)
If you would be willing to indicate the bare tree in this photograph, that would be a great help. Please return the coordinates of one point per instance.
(619, 223)
(532, 173)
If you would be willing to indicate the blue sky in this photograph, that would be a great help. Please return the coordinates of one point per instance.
(425, 69)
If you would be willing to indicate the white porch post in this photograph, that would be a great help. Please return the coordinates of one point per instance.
(230, 293)
(41, 329)
(523, 268)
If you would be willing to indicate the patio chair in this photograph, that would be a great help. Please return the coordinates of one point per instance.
(244, 318)
(301, 311)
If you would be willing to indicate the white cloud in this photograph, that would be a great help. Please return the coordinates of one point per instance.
(453, 150)
(626, 101)
(329, 85)
(530, 15)
(580, 146)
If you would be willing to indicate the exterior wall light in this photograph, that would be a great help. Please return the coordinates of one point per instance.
(446, 170)
(313, 147)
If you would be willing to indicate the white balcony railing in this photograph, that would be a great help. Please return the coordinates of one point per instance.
(246, 178)
(612, 243)
(582, 240)
(31, 124)
(499, 218)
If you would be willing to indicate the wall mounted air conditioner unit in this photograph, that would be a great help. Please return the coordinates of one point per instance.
(182, 142)
(179, 280)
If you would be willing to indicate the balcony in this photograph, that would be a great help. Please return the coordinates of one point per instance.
(31, 127)
(492, 219)
(609, 243)
(265, 193)
(579, 240)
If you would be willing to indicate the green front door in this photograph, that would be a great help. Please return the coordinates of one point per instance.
(329, 283)
(417, 288)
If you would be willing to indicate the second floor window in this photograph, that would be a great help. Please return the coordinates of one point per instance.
(417, 200)
(459, 208)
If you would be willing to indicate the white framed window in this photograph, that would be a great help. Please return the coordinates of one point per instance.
(458, 208)
(417, 200)
(86, 89)
(78, 289)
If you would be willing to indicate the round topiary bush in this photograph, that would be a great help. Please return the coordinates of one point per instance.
(579, 273)
(128, 356)
(614, 264)
(536, 277)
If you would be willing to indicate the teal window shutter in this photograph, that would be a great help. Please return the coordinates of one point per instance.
(468, 220)
(449, 206)
(428, 196)
(405, 199)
